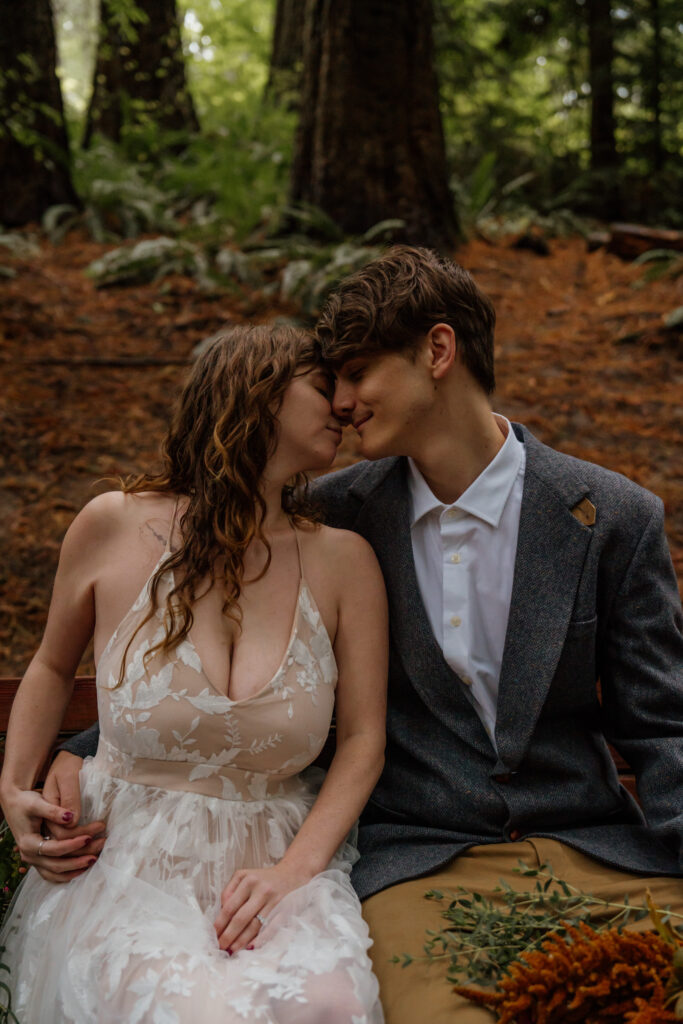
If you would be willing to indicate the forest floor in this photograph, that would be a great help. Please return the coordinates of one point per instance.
(89, 376)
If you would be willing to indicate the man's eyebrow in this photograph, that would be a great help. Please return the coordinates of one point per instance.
(353, 362)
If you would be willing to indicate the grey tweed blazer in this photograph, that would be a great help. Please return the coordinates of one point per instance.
(588, 603)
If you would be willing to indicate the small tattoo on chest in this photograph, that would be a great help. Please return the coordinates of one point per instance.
(162, 540)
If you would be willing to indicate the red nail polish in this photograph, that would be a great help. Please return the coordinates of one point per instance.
(251, 947)
(229, 952)
(67, 816)
(91, 861)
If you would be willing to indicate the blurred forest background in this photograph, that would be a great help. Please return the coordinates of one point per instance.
(167, 166)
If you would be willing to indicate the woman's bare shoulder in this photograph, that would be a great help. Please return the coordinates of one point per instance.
(108, 515)
(345, 551)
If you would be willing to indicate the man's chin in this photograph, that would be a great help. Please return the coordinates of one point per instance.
(370, 451)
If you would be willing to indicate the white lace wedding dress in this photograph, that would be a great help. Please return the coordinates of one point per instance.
(193, 786)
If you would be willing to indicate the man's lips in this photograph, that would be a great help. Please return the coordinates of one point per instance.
(363, 419)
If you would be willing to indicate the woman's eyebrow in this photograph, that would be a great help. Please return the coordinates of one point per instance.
(326, 373)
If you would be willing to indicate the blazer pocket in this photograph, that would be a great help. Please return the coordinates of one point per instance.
(579, 628)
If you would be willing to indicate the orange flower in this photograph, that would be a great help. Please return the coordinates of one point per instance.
(587, 976)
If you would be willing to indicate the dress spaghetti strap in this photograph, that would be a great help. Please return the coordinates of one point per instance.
(298, 548)
(167, 549)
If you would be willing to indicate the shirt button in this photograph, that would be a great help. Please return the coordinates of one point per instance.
(450, 513)
(455, 559)
(467, 681)
(456, 620)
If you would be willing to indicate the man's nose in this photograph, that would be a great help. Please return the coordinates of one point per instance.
(343, 400)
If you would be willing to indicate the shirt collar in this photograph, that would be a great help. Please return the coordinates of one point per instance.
(486, 496)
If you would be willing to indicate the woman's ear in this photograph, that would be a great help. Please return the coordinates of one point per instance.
(441, 349)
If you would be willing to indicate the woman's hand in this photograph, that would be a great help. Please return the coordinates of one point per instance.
(252, 892)
(56, 860)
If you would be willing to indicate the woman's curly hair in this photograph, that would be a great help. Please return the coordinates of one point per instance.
(215, 452)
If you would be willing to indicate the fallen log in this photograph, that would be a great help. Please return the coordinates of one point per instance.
(631, 240)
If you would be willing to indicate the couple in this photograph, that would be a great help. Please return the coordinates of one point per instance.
(516, 578)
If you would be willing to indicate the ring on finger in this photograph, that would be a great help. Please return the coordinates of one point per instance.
(261, 920)
(41, 844)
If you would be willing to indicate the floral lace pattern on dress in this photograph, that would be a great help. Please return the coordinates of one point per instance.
(194, 786)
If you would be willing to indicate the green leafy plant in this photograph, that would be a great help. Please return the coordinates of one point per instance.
(11, 871)
(660, 263)
(148, 260)
(7, 1015)
(482, 937)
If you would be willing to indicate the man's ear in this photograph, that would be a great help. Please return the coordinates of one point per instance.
(441, 349)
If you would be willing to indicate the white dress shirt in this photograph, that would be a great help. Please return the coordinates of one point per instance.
(465, 559)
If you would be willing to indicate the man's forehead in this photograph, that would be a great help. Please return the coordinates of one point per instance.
(353, 362)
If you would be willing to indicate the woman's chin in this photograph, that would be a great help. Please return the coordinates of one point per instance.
(318, 462)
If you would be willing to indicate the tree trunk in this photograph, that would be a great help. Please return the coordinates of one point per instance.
(601, 49)
(34, 147)
(139, 73)
(370, 143)
(655, 87)
(286, 57)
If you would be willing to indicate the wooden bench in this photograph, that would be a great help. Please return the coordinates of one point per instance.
(82, 712)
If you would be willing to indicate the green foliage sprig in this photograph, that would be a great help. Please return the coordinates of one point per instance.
(482, 937)
(11, 871)
(7, 1015)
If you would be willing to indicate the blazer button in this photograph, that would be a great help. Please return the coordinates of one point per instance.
(515, 834)
(503, 777)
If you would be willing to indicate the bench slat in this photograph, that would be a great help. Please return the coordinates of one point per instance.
(80, 713)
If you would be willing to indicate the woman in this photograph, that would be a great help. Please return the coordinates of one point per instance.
(222, 891)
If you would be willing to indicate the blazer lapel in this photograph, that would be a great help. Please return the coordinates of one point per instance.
(384, 521)
(551, 549)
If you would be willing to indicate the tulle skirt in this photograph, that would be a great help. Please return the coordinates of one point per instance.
(132, 939)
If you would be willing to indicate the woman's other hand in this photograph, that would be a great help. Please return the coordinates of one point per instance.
(251, 892)
(57, 860)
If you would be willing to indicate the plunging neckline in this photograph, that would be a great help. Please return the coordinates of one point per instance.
(303, 586)
(190, 641)
(283, 661)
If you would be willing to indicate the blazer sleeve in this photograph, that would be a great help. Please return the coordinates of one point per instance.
(642, 680)
(84, 744)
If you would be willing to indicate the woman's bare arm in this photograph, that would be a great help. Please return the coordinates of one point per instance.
(360, 646)
(42, 699)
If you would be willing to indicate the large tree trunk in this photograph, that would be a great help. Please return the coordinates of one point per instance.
(601, 51)
(287, 53)
(370, 144)
(34, 148)
(655, 86)
(140, 74)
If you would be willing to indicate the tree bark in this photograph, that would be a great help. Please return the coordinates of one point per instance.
(139, 75)
(34, 147)
(601, 51)
(655, 87)
(370, 144)
(287, 53)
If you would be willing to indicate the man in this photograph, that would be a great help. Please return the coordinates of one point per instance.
(517, 577)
